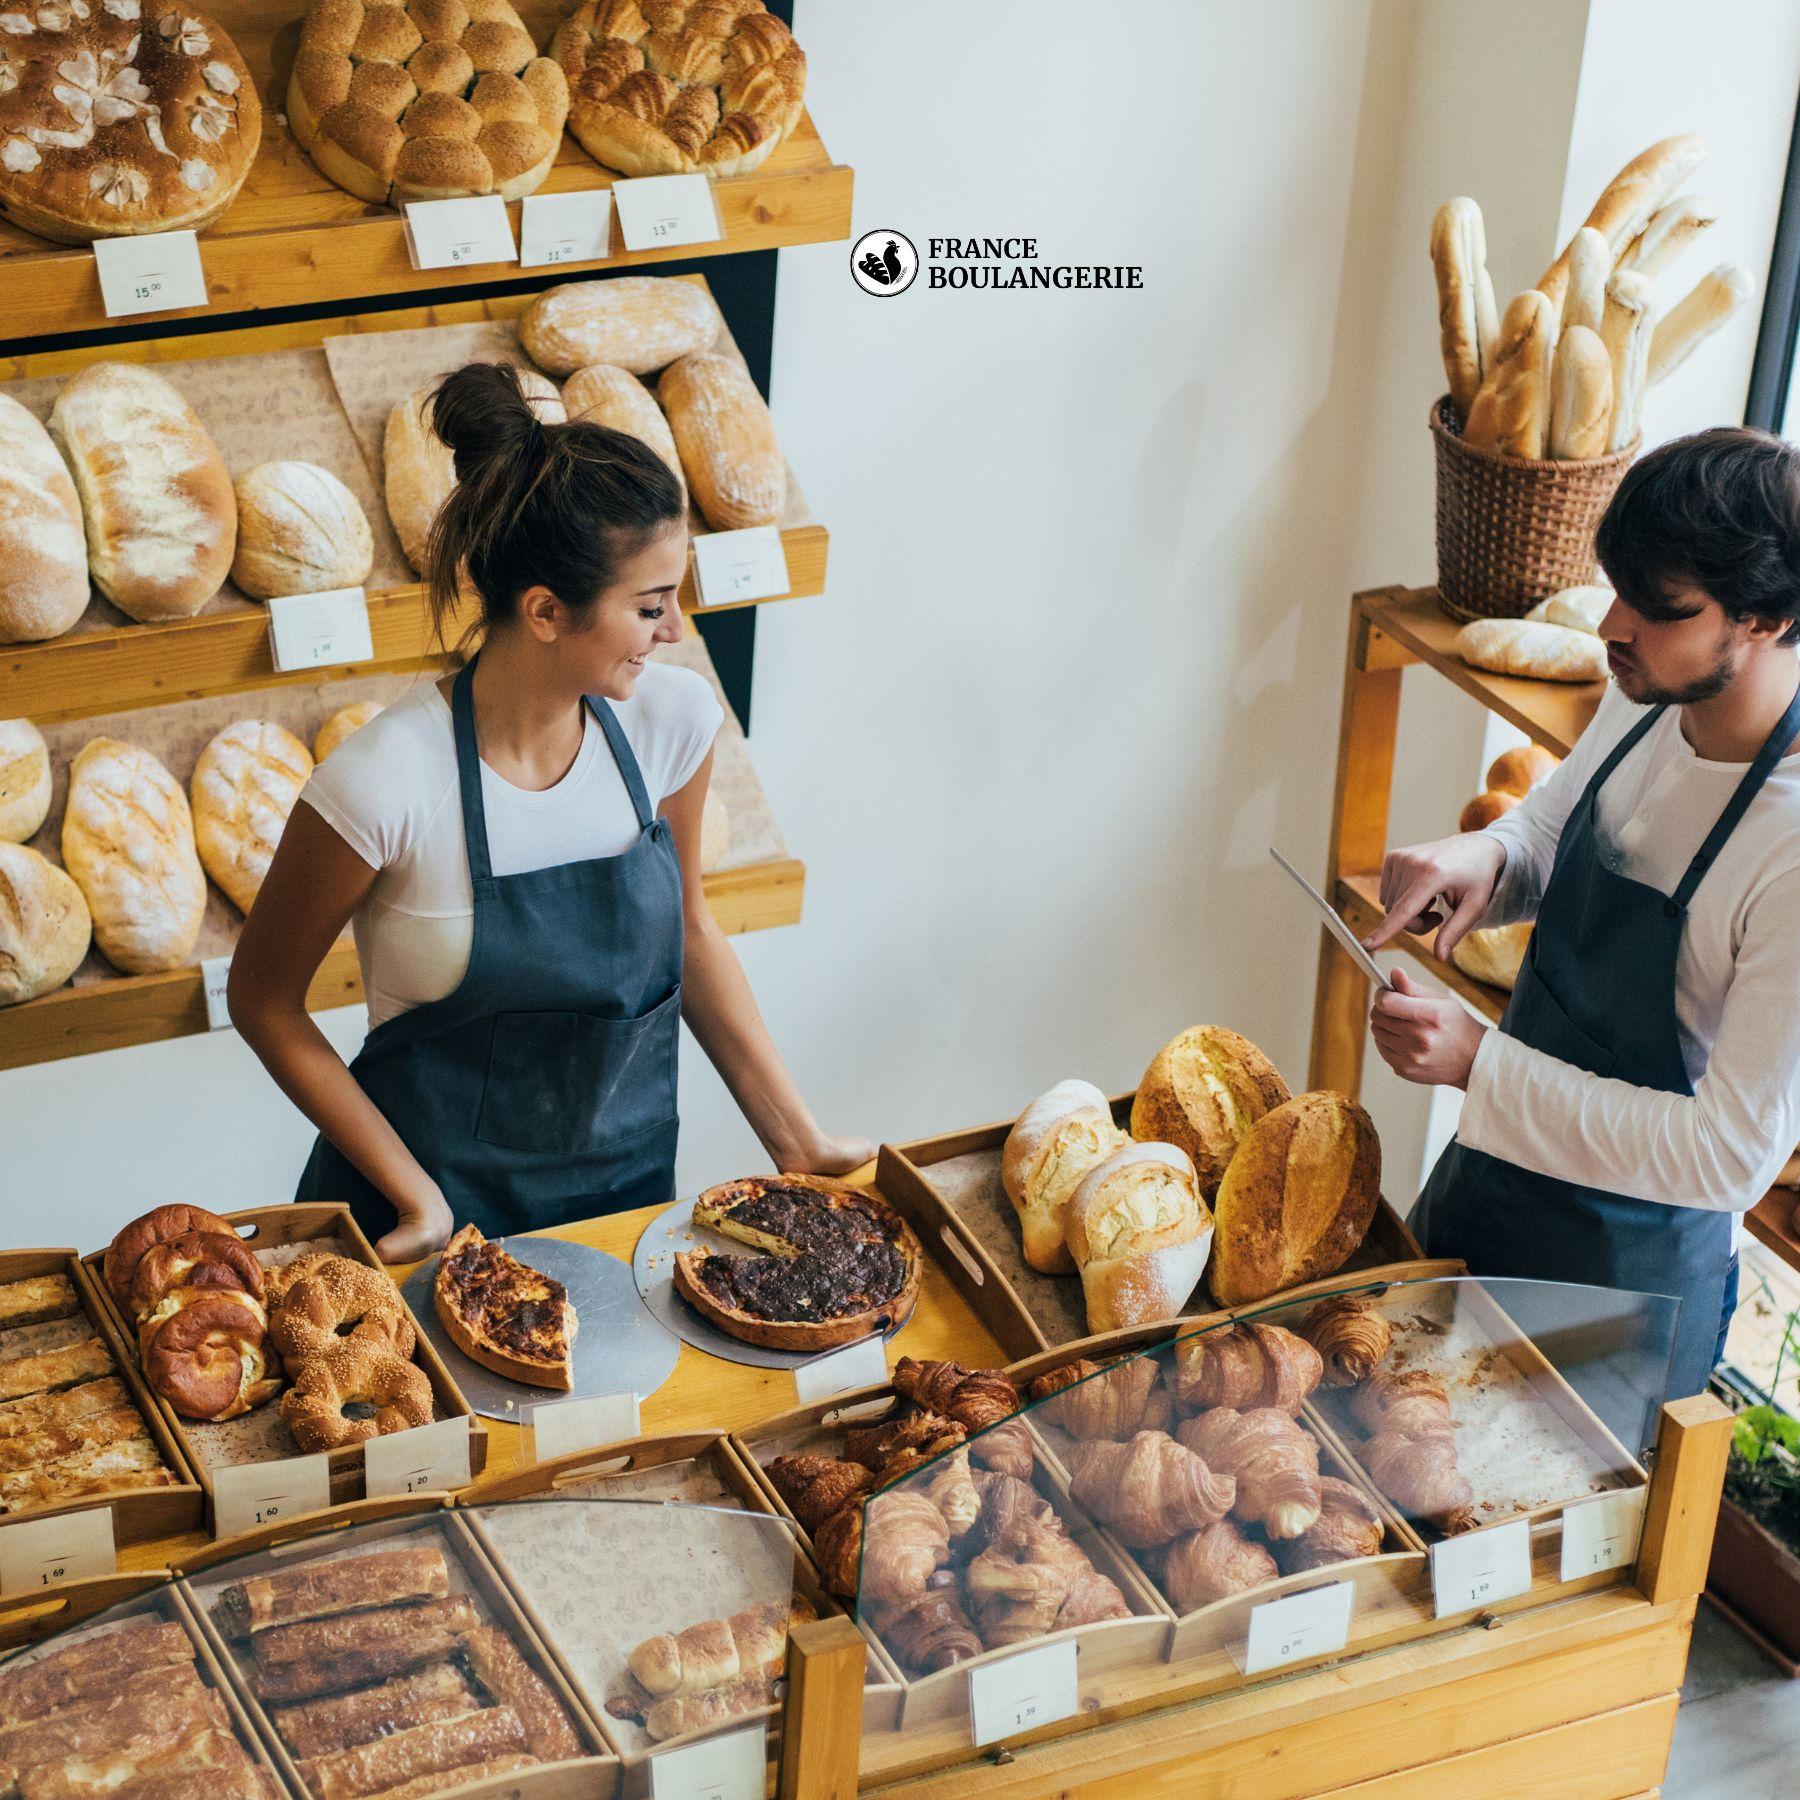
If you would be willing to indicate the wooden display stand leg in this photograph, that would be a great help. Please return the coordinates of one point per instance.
(821, 1724)
(1683, 1505)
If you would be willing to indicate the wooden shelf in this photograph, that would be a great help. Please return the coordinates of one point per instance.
(1775, 1224)
(293, 235)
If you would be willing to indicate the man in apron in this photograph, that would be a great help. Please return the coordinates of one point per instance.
(1643, 1088)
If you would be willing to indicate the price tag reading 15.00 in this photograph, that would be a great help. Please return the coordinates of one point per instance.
(158, 272)
(1481, 1567)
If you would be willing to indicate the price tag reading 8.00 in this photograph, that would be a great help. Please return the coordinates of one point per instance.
(1020, 1693)
(247, 1496)
(1481, 1568)
(458, 234)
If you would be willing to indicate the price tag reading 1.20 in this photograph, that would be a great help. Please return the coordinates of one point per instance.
(659, 212)
(316, 631)
(41, 1553)
(732, 567)
(429, 1459)
(1020, 1693)
(1299, 1627)
(1601, 1533)
(1481, 1567)
(249, 1495)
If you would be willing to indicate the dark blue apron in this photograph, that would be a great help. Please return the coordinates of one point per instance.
(1598, 990)
(543, 1088)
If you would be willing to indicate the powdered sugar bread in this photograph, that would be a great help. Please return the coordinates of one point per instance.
(245, 785)
(614, 397)
(128, 840)
(727, 441)
(1057, 1139)
(639, 323)
(1140, 1235)
(43, 925)
(24, 780)
(43, 554)
(300, 531)
(155, 493)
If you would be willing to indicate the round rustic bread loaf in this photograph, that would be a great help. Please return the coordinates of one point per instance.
(607, 395)
(119, 117)
(428, 100)
(24, 780)
(300, 531)
(44, 926)
(1204, 1090)
(670, 87)
(245, 785)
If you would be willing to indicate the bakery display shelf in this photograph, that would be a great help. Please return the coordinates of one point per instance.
(290, 225)
(1774, 1221)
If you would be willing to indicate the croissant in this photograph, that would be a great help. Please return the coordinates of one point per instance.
(1420, 1476)
(950, 1486)
(1244, 1367)
(1006, 1503)
(814, 1487)
(1350, 1334)
(1348, 1526)
(1149, 1489)
(1094, 1403)
(927, 1633)
(1410, 1401)
(1092, 1596)
(1275, 1460)
(973, 1397)
(905, 1540)
(894, 1448)
(1007, 1448)
(1209, 1564)
(1015, 1600)
(838, 1545)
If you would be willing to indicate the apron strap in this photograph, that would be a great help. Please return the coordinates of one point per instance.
(1622, 749)
(628, 764)
(1775, 746)
(468, 770)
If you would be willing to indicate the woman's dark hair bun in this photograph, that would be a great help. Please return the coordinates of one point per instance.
(483, 411)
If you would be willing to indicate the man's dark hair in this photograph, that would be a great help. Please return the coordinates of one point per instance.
(1719, 511)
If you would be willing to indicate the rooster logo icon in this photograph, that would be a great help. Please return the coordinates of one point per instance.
(884, 262)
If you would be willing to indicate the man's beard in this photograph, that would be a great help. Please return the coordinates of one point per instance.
(1715, 681)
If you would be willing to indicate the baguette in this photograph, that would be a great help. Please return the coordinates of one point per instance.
(1709, 303)
(1467, 322)
(43, 556)
(44, 925)
(24, 780)
(1525, 647)
(1581, 395)
(1670, 231)
(1512, 410)
(1590, 264)
(1625, 331)
(726, 440)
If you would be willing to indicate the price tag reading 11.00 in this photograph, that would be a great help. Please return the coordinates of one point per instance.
(41, 1553)
(1020, 1693)
(658, 212)
(249, 1495)
(564, 228)
(1481, 1567)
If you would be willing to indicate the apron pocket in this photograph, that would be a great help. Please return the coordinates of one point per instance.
(1537, 1018)
(573, 1084)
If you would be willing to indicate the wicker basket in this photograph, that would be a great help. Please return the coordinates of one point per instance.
(1512, 530)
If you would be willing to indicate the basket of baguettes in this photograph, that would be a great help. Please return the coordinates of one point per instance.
(1545, 406)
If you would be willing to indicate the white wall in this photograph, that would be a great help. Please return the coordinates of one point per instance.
(1080, 656)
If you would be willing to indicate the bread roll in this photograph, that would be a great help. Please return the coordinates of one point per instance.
(639, 323)
(1670, 230)
(155, 494)
(1057, 1140)
(245, 785)
(1467, 322)
(727, 441)
(715, 831)
(44, 925)
(1484, 809)
(1494, 955)
(1579, 608)
(1626, 331)
(1512, 411)
(1297, 1199)
(1530, 648)
(1711, 301)
(24, 780)
(43, 554)
(1519, 770)
(1202, 1091)
(128, 839)
(1139, 1233)
(300, 531)
(1590, 264)
(614, 397)
(340, 725)
(1581, 395)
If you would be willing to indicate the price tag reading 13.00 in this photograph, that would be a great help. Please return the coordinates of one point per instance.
(1020, 1693)
(249, 1495)
(41, 1553)
(1481, 1567)
(658, 212)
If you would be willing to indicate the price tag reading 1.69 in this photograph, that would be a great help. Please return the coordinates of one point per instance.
(1481, 1568)
(41, 1553)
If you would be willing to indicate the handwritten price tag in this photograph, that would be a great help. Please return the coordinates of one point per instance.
(40, 1553)
(215, 974)
(561, 1426)
(429, 1459)
(1299, 1626)
(658, 212)
(1601, 1533)
(1481, 1567)
(1020, 1693)
(314, 631)
(459, 234)
(735, 566)
(857, 1365)
(565, 228)
(159, 272)
(733, 1767)
(249, 1495)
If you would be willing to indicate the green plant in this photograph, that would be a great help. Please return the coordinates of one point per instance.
(1762, 1474)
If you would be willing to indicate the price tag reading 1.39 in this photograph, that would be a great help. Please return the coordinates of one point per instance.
(1601, 1533)
(247, 1496)
(1020, 1693)
(1481, 1567)
(41, 1553)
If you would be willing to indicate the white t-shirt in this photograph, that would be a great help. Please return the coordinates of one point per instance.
(390, 792)
(1737, 980)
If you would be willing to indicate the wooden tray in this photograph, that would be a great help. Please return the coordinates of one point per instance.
(139, 1514)
(264, 1228)
(370, 1522)
(974, 1232)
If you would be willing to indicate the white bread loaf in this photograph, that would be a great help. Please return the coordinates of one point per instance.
(1140, 1235)
(340, 725)
(1056, 1140)
(1625, 330)
(128, 839)
(155, 494)
(1579, 608)
(43, 552)
(715, 831)
(1708, 304)
(1512, 412)
(1468, 324)
(300, 531)
(1590, 264)
(614, 397)
(24, 780)
(1672, 228)
(1494, 955)
(727, 441)
(1581, 395)
(245, 785)
(44, 927)
(636, 322)
(1530, 648)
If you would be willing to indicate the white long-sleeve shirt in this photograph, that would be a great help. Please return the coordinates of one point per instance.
(1737, 981)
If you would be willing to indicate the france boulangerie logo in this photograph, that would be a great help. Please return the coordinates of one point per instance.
(884, 262)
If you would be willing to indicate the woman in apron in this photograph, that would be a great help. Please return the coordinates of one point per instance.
(518, 849)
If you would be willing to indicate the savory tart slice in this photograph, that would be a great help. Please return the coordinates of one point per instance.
(841, 1262)
(512, 1319)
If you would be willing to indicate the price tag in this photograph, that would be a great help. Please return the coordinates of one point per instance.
(246, 1495)
(159, 272)
(1481, 1567)
(560, 1426)
(429, 1459)
(657, 212)
(732, 1767)
(1299, 1626)
(310, 631)
(741, 565)
(215, 973)
(857, 1365)
(565, 228)
(41, 1553)
(1601, 1533)
(459, 234)
(1020, 1693)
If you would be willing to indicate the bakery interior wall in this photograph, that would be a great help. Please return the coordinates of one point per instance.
(1080, 656)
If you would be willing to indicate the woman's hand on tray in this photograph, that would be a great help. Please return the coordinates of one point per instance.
(424, 1225)
(824, 1154)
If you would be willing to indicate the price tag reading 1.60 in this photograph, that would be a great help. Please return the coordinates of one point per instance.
(249, 1495)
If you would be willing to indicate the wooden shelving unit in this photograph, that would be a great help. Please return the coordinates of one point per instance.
(1393, 629)
(291, 235)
